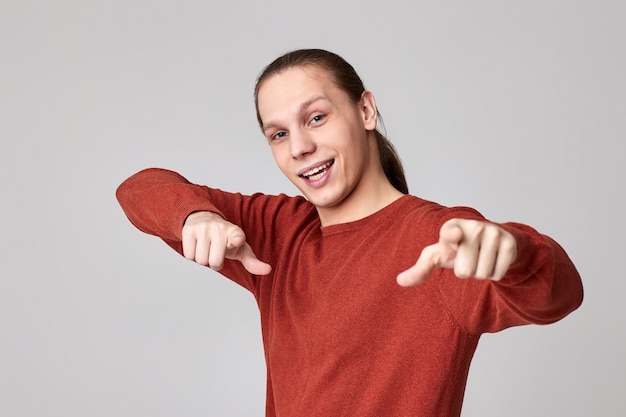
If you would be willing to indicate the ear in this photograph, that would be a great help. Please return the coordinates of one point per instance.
(367, 107)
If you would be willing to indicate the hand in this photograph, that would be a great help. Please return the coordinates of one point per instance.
(208, 239)
(472, 248)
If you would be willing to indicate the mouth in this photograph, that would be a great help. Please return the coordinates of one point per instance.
(317, 172)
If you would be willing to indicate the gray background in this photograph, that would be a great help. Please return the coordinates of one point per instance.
(515, 108)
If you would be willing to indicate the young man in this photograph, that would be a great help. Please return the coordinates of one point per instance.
(341, 336)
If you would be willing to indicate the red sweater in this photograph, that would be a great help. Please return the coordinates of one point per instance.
(341, 338)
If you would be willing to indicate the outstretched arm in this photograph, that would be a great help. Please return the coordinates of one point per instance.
(495, 276)
(163, 203)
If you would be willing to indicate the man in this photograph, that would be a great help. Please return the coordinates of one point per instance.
(341, 336)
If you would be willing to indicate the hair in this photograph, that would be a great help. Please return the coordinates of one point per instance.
(347, 79)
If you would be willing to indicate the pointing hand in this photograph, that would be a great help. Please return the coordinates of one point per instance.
(208, 239)
(473, 249)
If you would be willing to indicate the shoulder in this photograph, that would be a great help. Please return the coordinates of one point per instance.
(414, 208)
(282, 204)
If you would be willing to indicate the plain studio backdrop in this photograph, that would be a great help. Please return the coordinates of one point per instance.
(515, 108)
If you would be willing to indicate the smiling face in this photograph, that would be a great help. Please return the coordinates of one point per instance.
(324, 142)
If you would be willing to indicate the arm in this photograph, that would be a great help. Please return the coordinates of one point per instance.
(158, 201)
(165, 204)
(519, 276)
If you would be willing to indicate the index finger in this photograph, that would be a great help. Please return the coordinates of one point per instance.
(432, 257)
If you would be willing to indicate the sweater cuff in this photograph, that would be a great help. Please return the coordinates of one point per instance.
(532, 253)
(185, 208)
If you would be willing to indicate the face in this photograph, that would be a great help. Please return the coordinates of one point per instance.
(320, 139)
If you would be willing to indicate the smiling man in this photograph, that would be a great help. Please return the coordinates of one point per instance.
(372, 300)
(321, 141)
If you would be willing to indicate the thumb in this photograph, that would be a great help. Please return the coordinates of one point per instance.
(243, 253)
(451, 233)
(252, 264)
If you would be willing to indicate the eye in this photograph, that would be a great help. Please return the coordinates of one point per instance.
(317, 118)
(278, 135)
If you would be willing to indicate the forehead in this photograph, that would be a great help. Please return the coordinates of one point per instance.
(291, 87)
(289, 78)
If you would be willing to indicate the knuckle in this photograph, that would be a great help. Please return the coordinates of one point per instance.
(492, 231)
(219, 228)
(508, 243)
(474, 230)
(463, 271)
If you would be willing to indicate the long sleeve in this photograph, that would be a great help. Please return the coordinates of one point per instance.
(158, 201)
(542, 286)
(543, 264)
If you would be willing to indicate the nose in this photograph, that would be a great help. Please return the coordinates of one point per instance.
(301, 144)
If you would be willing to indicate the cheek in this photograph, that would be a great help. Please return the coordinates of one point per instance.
(281, 158)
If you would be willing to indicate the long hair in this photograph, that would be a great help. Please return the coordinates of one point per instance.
(346, 78)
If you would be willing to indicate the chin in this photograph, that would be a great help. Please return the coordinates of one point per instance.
(325, 201)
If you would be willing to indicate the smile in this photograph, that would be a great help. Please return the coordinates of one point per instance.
(318, 172)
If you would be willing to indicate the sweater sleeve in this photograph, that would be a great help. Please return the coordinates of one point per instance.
(157, 202)
(541, 286)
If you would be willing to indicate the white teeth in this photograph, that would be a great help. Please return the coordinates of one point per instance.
(316, 177)
(317, 172)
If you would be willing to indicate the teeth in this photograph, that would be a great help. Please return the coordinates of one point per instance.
(316, 177)
(317, 172)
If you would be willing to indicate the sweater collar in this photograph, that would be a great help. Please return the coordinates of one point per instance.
(391, 210)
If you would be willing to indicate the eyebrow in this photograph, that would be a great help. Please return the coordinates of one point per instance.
(301, 109)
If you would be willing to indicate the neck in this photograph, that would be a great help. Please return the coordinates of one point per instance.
(360, 204)
(372, 193)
